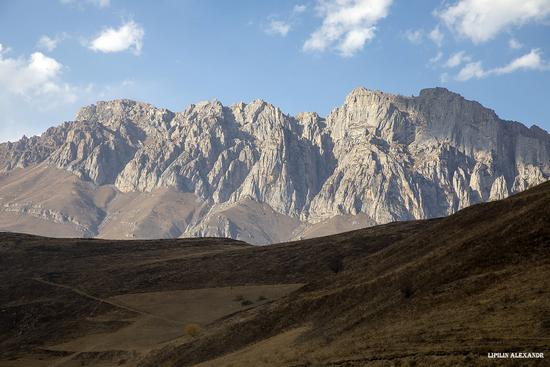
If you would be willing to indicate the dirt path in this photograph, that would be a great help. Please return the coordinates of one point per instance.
(102, 300)
(82, 293)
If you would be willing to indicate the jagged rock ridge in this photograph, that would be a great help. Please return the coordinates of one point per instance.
(260, 175)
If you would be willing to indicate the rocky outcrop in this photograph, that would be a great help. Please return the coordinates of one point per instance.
(382, 156)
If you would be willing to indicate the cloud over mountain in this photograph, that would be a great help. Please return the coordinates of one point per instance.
(482, 20)
(347, 24)
(129, 36)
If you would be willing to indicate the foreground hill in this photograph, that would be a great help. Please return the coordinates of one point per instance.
(426, 293)
(125, 169)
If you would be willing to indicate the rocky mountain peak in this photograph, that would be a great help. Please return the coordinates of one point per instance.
(239, 106)
(116, 113)
(361, 96)
(309, 118)
(260, 118)
(438, 92)
(539, 132)
(204, 110)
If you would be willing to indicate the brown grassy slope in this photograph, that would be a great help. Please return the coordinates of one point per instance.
(33, 314)
(296, 262)
(448, 291)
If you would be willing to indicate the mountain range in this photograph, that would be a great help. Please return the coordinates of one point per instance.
(126, 169)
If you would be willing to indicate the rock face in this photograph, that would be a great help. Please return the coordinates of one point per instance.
(257, 174)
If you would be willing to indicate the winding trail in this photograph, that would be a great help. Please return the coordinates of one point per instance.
(103, 300)
(82, 293)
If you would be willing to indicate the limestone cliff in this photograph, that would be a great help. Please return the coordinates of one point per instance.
(379, 157)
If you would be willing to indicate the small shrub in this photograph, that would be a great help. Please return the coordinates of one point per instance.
(335, 264)
(262, 298)
(239, 298)
(407, 290)
(192, 330)
(246, 302)
(328, 339)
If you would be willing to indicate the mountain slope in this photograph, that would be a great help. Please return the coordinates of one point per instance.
(376, 159)
(439, 292)
(447, 293)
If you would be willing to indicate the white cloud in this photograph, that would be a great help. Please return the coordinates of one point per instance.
(281, 27)
(457, 59)
(300, 8)
(444, 78)
(414, 36)
(278, 27)
(49, 43)
(21, 76)
(471, 70)
(436, 58)
(354, 40)
(514, 44)
(482, 20)
(4, 50)
(98, 3)
(436, 36)
(347, 24)
(101, 3)
(36, 78)
(530, 61)
(128, 36)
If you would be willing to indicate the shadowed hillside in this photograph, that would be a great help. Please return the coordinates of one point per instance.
(437, 292)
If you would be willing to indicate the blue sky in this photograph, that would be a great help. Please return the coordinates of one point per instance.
(58, 55)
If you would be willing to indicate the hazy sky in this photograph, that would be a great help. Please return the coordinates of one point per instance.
(58, 55)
